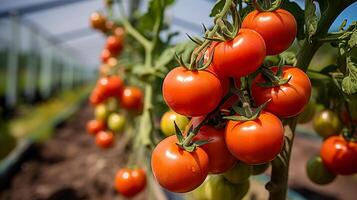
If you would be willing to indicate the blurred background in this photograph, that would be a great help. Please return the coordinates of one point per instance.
(49, 58)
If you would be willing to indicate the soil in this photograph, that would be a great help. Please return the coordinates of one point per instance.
(69, 166)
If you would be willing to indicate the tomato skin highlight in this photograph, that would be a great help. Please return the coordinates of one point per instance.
(287, 100)
(241, 56)
(339, 155)
(104, 139)
(130, 182)
(257, 141)
(191, 93)
(221, 160)
(278, 28)
(176, 169)
(132, 99)
(94, 126)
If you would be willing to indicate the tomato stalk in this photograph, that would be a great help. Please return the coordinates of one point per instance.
(273, 6)
(280, 166)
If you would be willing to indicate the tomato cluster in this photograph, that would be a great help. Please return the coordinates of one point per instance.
(210, 144)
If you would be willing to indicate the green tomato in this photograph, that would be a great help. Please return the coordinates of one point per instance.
(101, 112)
(167, 122)
(317, 172)
(239, 173)
(116, 122)
(259, 169)
(217, 187)
(327, 123)
(112, 104)
(308, 113)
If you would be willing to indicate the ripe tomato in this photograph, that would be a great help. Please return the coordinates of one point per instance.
(339, 155)
(101, 112)
(96, 96)
(114, 45)
(132, 98)
(97, 21)
(167, 122)
(111, 86)
(287, 100)
(191, 93)
(116, 122)
(278, 28)
(104, 139)
(187, 170)
(240, 56)
(130, 182)
(105, 55)
(221, 160)
(94, 126)
(257, 141)
(239, 174)
(119, 32)
(317, 172)
(327, 123)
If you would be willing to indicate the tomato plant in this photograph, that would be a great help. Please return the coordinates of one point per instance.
(130, 182)
(186, 92)
(278, 28)
(267, 133)
(339, 156)
(188, 169)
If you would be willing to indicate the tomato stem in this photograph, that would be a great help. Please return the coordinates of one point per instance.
(272, 6)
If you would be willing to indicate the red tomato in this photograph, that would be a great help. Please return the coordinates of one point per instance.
(132, 98)
(191, 93)
(97, 96)
(178, 170)
(339, 155)
(94, 126)
(130, 182)
(111, 86)
(257, 141)
(221, 160)
(287, 100)
(240, 56)
(114, 44)
(104, 139)
(105, 55)
(278, 28)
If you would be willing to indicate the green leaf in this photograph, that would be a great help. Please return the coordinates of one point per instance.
(178, 133)
(311, 19)
(299, 15)
(218, 6)
(352, 42)
(349, 83)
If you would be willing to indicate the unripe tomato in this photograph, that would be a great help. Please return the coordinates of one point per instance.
(287, 100)
(132, 99)
(114, 45)
(97, 21)
(317, 172)
(104, 139)
(239, 174)
(339, 155)
(178, 170)
(241, 56)
(256, 141)
(191, 93)
(308, 113)
(94, 126)
(105, 55)
(167, 122)
(129, 182)
(116, 122)
(112, 104)
(327, 123)
(111, 86)
(101, 112)
(259, 169)
(221, 160)
(216, 187)
(278, 28)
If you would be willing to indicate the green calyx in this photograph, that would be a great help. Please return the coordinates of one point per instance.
(272, 6)
(273, 79)
(186, 143)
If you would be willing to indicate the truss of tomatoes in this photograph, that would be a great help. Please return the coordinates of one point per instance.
(196, 93)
